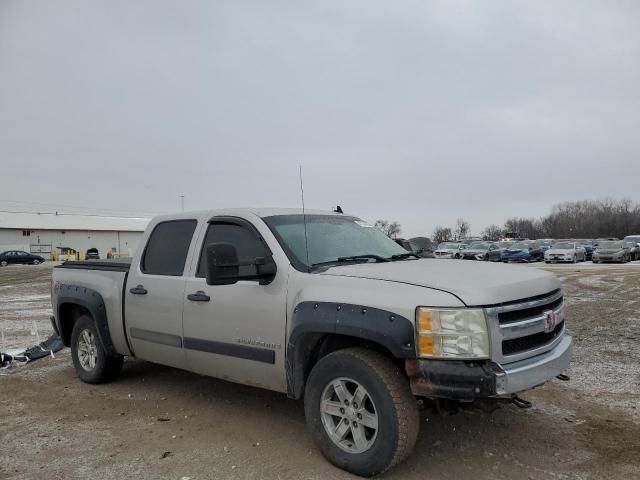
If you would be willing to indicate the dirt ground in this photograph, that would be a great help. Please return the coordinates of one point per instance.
(159, 423)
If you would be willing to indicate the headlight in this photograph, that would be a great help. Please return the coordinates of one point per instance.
(459, 333)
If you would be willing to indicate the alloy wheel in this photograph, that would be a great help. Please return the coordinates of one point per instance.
(349, 415)
(87, 350)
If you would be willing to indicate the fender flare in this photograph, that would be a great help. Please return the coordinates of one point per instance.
(93, 302)
(312, 320)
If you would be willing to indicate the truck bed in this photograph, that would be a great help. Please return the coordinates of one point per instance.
(112, 265)
(106, 278)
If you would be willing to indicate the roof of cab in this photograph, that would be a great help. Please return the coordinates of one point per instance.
(260, 212)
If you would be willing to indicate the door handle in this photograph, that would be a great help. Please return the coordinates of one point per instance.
(199, 296)
(139, 290)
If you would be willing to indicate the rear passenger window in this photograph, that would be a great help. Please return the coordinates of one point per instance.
(167, 248)
(247, 243)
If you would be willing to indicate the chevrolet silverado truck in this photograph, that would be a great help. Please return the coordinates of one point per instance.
(320, 306)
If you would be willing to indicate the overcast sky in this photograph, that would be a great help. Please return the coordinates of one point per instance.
(416, 111)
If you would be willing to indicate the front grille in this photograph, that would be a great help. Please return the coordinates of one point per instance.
(518, 315)
(522, 344)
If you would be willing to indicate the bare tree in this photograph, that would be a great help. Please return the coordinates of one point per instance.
(526, 227)
(462, 229)
(441, 234)
(390, 229)
(492, 233)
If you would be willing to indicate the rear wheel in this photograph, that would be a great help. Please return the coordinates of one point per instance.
(3, 263)
(90, 359)
(360, 411)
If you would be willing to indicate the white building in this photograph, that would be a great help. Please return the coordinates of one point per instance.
(46, 233)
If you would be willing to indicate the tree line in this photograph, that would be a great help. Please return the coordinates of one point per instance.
(576, 219)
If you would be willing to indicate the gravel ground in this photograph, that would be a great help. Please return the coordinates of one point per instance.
(158, 422)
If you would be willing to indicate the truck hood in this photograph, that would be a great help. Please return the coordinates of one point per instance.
(474, 283)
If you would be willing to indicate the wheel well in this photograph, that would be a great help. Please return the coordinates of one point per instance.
(317, 346)
(69, 313)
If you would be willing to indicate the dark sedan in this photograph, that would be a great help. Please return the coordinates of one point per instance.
(495, 254)
(18, 256)
(92, 254)
(421, 246)
(526, 251)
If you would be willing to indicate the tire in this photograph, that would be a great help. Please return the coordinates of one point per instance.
(90, 359)
(3, 263)
(594, 261)
(36, 261)
(387, 399)
(575, 259)
(547, 261)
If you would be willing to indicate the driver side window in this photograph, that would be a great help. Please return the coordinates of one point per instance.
(246, 241)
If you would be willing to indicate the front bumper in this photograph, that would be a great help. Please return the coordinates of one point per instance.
(558, 260)
(466, 381)
(609, 258)
(516, 258)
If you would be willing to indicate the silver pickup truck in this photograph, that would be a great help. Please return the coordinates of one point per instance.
(320, 306)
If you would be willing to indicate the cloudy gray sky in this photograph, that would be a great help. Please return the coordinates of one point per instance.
(419, 111)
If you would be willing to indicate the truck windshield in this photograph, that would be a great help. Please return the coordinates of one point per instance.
(331, 239)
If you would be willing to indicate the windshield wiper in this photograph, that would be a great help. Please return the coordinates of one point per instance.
(353, 258)
(401, 256)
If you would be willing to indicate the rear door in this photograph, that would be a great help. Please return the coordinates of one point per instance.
(154, 293)
(236, 332)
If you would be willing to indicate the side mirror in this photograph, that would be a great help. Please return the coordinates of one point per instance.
(223, 267)
(222, 264)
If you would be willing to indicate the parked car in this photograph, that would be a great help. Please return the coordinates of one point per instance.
(92, 254)
(357, 326)
(422, 246)
(597, 241)
(545, 243)
(449, 250)
(495, 255)
(611, 251)
(525, 251)
(635, 251)
(588, 246)
(19, 256)
(631, 249)
(478, 251)
(404, 243)
(567, 251)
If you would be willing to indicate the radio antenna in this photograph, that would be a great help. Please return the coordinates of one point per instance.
(304, 218)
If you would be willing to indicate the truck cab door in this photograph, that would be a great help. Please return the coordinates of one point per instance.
(236, 332)
(154, 294)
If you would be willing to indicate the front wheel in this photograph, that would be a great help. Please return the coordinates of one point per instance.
(91, 361)
(36, 261)
(360, 411)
